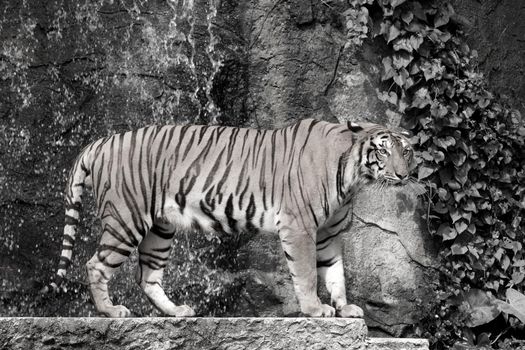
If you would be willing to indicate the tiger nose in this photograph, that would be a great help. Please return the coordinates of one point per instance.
(402, 176)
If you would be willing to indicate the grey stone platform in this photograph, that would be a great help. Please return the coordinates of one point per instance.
(194, 333)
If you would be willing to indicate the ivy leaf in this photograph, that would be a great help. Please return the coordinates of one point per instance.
(409, 44)
(458, 158)
(446, 232)
(482, 307)
(396, 3)
(418, 11)
(401, 59)
(417, 27)
(445, 175)
(415, 42)
(440, 208)
(423, 137)
(517, 277)
(460, 226)
(414, 69)
(424, 172)
(402, 44)
(438, 110)
(427, 156)
(516, 222)
(517, 300)
(458, 196)
(505, 262)
(519, 263)
(403, 101)
(393, 32)
(458, 249)
(438, 36)
(499, 253)
(492, 148)
(421, 98)
(390, 97)
(454, 185)
(462, 145)
(385, 27)
(441, 19)
(455, 214)
(438, 156)
(515, 308)
(432, 69)
(443, 194)
(492, 285)
(467, 112)
(461, 173)
(517, 246)
(454, 120)
(444, 142)
(470, 206)
(401, 78)
(389, 71)
(407, 16)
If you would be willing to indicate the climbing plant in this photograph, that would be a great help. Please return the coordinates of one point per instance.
(471, 157)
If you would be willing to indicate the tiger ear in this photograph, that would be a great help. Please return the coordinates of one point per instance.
(354, 127)
(358, 127)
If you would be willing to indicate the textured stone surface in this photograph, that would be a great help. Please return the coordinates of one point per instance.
(192, 333)
(73, 71)
(496, 30)
(390, 260)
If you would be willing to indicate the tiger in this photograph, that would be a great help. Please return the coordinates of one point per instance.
(297, 182)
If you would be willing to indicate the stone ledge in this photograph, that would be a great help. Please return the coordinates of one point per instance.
(179, 333)
(193, 333)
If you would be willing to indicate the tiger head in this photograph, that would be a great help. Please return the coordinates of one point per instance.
(386, 156)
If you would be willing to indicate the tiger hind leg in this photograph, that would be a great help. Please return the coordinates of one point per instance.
(154, 252)
(113, 250)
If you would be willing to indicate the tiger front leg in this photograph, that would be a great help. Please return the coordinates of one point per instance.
(299, 250)
(330, 268)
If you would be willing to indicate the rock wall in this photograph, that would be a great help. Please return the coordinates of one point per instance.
(495, 29)
(73, 71)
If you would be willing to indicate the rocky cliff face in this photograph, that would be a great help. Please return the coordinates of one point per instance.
(495, 29)
(74, 71)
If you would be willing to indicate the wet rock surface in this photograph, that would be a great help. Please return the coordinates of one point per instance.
(74, 71)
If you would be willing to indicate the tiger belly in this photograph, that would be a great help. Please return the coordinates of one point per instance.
(224, 216)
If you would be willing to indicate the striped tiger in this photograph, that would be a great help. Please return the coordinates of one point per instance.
(297, 181)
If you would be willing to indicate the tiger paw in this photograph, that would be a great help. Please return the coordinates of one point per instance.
(184, 311)
(323, 310)
(350, 310)
(116, 311)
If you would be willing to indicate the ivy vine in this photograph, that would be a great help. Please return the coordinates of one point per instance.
(470, 148)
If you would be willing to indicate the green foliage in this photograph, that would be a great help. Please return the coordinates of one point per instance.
(470, 153)
(515, 306)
